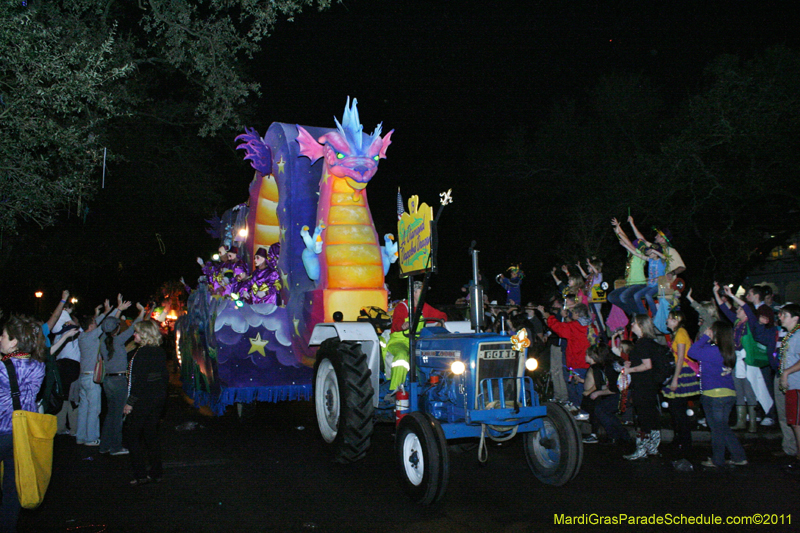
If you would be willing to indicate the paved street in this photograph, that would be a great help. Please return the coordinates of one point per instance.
(270, 472)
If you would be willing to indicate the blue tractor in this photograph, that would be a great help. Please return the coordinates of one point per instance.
(462, 384)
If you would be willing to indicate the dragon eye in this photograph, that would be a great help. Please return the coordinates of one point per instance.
(377, 158)
(339, 155)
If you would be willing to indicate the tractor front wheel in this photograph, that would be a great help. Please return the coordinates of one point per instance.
(555, 452)
(422, 458)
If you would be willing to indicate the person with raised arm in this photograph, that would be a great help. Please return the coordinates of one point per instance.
(707, 313)
(577, 334)
(749, 383)
(115, 386)
(635, 279)
(663, 237)
(88, 431)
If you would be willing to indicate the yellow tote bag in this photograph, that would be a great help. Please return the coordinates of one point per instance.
(33, 455)
(33, 435)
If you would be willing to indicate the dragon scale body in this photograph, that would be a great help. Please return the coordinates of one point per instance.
(351, 265)
(266, 226)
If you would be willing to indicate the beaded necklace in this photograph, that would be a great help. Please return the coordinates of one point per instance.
(130, 369)
(16, 355)
(624, 380)
(739, 331)
(785, 348)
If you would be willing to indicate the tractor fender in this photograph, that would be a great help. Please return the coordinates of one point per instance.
(360, 332)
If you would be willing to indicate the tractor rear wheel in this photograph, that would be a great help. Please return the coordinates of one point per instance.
(343, 399)
(422, 458)
(555, 452)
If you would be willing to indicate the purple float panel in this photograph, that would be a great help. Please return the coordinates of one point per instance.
(260, 351)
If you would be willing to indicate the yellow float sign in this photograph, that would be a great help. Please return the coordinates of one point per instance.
(414, 231)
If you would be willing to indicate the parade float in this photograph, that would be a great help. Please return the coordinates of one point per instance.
(308, 200)
(245, 342)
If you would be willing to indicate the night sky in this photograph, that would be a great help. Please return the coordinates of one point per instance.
(454, 78)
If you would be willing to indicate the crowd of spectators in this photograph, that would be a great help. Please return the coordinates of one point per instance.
(604, 349)
(55, 366)
(604, 341)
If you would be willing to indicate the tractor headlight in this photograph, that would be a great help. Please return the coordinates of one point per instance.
(531, 364)
(458, 368)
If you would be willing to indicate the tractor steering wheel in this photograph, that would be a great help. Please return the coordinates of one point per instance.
(436, 321)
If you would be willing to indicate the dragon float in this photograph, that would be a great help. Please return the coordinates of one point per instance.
(305, 177)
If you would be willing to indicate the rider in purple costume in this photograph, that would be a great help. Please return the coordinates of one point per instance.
(265, 281)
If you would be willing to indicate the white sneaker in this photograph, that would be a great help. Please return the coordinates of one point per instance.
(121, 451)
(768, 421)
(92, 443)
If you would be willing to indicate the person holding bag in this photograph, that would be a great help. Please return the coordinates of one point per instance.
(22, 343)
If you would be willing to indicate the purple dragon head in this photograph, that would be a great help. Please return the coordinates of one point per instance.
(349, 153)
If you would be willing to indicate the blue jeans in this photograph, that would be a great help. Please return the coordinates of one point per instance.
(574, 389)
(647, 292)
(116, 390)
(89, 410)
(718, 411)
(605, 410)
(9, 511)
(623, 298)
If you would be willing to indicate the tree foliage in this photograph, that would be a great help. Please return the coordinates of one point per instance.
(58, 89)
(733, 163)
(69, 69)
(718, 169)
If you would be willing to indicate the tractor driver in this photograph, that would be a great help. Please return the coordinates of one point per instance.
(396, 351)
(400, 315)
